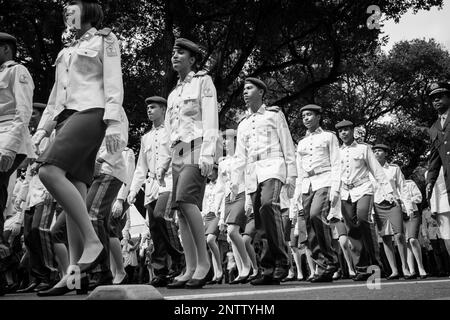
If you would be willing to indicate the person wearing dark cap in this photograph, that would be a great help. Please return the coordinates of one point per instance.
(16, 96)
(192, 120)
(357, 163)
(86, 106)
(265, 157)
(388, 214)
(153, 156)
(439, 94)
(318, 163)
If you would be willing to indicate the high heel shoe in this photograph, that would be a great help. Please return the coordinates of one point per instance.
(195, 283)
(177, 284)
(86, 267)
(60, 291)
(215, 280)
(242, 279)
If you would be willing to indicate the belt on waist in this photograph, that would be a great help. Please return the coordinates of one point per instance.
(318, 171)
(264, 156)
(181, 146)
(7, 117)
(349, 186)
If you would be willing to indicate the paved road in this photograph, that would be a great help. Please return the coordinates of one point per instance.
(429, 289)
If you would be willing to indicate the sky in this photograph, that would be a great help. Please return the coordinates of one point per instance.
(425, 24)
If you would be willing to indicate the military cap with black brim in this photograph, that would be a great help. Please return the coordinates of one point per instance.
(344, 124)
(381, 146)
(257, 82)
(311, 107)
(439, 87)
(188, 45)
(156, 99)
(7, 38)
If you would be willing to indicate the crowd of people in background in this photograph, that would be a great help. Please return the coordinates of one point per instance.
(241, 205)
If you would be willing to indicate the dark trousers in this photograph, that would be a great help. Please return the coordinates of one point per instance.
(266, 207)
(99, 202)
(4, 181)
(316, 205)
(164, 233)
(356, 217)
(39, 243)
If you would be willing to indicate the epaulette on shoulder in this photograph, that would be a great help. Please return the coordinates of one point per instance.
(245, 116)
(103, 32)
(365, 144)
(394, 165)
(329, 131)
(201, 73)
(13, 64)
(273, 108)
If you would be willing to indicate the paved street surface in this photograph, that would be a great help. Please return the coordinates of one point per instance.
(429, 289)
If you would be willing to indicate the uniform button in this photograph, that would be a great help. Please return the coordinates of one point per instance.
(448, 152)
(65, 88)
(67, 70)
(445, 142)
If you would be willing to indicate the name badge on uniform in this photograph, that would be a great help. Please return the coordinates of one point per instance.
(111, 50)
(23, 78)
(207, 92)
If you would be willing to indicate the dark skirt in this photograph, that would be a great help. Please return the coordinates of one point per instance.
(338, 229)
(211, 222)
(235, 211)
(78, 137)
(188, 183)
(389, 218)
(250, 227)
(412, 225)
(287, 227)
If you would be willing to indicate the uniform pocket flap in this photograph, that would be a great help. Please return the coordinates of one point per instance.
(87, 52)
(3, 84)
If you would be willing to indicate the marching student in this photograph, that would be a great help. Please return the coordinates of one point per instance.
(210, 212)
(388, 212)
(154, 155)
(412, 223)
(357, 194)
(16, 96)
(192, 120)
(120, 220)
(318, 164)
(265, 155)
(233, 213)
(86, 106)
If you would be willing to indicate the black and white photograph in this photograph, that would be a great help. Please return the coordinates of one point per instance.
(219, 158)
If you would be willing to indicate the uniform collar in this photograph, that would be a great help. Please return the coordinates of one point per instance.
(261, 110)
(158, 127)
(88, 35)
(6, 64)
(354, 144)
(317, 131)
(188, 78)
(386, 165)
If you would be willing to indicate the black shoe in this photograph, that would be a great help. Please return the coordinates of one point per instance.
(288, 279)
(177, 284)
(159, 282)
(216, 281)
(11, 288)
(423, 276)
(324, 277)
(86, 267)
(242, 279)
(265, 280)
(30, 287)
(195, 283)
(254, 277)
(60, 291)
(411, 276)
(362, 277)
(280, 273)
